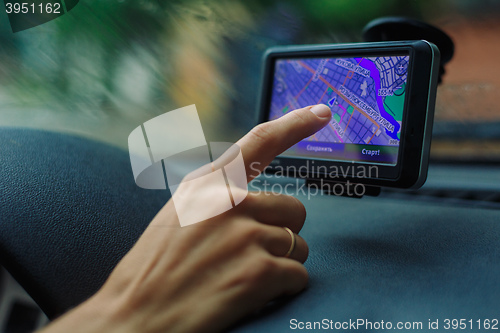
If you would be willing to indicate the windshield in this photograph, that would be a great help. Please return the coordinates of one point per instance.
(106, 66)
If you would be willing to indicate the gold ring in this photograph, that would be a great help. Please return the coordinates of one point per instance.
(292, 246)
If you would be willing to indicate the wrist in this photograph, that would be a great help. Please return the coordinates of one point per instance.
(97, 314)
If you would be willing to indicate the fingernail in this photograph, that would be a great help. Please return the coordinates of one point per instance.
(321, 110)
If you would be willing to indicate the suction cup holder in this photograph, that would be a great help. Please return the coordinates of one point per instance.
(402, 28)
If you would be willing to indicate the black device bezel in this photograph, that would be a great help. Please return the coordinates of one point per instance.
(410, 170)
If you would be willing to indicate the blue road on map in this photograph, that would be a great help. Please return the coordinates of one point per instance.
(356, 90)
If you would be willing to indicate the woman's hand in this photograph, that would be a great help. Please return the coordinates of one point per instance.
(206, 276)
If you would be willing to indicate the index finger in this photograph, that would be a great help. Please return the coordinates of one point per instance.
(267, 140)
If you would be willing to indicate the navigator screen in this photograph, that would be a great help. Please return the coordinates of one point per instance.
(366, 96)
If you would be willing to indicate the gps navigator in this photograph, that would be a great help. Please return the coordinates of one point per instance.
(382, 98)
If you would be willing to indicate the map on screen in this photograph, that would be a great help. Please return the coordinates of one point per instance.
(366, 96)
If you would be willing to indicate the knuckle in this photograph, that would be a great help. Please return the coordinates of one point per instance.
(300, 277)
(251, 232)
(251, 199)
(303, 276)
(268, 264)
(260, 268)
(298, 208)
(298, 117)
(263, 133)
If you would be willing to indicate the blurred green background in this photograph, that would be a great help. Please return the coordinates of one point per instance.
(109, 65)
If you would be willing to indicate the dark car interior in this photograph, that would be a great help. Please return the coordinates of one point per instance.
(71, 91)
